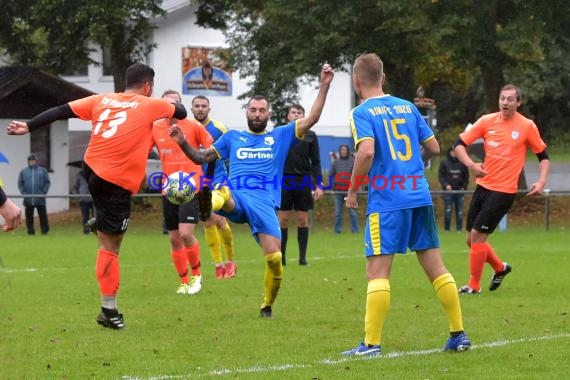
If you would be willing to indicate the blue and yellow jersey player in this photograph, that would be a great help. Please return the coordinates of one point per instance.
(389, 134)
(253, 192)
(217, 230)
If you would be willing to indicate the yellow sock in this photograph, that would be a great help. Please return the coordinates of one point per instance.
(217, 201)
(377, 305)
(273, 277)
(220, 197)
(227, 237)
(214, 244)
(446, 290)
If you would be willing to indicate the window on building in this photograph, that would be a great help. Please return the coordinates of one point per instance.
(40, 145)
(76, 72)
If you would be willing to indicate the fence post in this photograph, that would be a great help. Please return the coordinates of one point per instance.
(547, 209)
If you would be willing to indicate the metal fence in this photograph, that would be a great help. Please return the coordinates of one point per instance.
(546, 197)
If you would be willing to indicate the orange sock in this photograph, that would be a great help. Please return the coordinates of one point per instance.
(477, 257)
(108, 273)
(494, 260)
(180, 260)
(193, 254)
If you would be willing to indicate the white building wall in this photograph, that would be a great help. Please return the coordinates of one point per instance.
(179, 30)
(59, 157)
(17, 149)
(94, 81)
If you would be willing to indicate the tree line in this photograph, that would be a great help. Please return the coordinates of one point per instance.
(460, 51)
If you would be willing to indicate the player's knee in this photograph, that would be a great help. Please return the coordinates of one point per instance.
(189, 239)
(273, 261)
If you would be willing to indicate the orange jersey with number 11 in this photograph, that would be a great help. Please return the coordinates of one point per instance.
(121, 134)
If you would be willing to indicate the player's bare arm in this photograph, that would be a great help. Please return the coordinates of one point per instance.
(362, 165)
(45, 118)
(304, 124)
(431, 148)
(17, 128)
(544, 169)
(197, 156)
(474, 167)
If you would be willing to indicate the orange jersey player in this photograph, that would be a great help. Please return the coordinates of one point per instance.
(181, 219)
(114, 165)
(507, 135)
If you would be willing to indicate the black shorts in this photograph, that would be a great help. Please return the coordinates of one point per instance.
(296, 195)
(487, 208)
(112, 203)
(175, 214)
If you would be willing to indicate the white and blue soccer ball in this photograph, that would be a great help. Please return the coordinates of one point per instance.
(180, 188)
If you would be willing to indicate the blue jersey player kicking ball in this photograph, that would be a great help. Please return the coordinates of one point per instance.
(252, 193)
(389, 133)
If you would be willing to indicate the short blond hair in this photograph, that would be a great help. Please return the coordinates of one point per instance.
(369, 68)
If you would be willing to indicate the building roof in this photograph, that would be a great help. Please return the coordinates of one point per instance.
(173, 5)
(26, 92)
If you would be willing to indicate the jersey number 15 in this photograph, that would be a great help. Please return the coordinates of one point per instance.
(392, 133)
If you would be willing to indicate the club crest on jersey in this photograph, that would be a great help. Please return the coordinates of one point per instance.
(269, 140)
(515, 135)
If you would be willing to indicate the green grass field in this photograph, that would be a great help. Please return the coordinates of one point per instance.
(49, 300)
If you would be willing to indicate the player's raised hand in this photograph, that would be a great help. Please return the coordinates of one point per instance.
(327, 74)
(17, 128)
(176, 133)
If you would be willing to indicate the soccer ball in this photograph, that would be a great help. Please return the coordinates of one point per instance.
(180, 188)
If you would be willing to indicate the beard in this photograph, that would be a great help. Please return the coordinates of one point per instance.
(257, 126)
(200, 118)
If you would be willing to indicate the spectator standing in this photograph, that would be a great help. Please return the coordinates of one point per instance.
(81, 187)
(453, 175)
(340, 175)
(34, 179)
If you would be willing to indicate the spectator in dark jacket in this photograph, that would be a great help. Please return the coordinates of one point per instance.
(453, 175)
(34, 179)
(86, 202)
(340, 174)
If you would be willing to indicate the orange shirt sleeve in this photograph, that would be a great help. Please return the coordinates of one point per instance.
(477, 131)
(160, 108)
(534, 141)
(83, 107)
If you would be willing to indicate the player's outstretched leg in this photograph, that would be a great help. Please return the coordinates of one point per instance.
(204, 203)
(272, 281)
